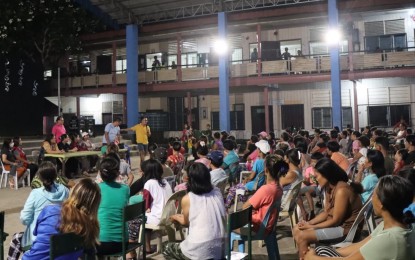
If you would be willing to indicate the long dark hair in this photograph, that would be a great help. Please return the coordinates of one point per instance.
(276, 166)
(378, 162)
(396, 193)
(47, 175)
(333, 173)
(153, 170)
(199, 179)
(294, 156)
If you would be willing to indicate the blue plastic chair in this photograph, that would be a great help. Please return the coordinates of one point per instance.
(270, 239)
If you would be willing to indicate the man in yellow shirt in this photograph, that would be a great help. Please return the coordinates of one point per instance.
(142, 133)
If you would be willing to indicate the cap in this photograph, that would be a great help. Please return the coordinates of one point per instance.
(263, 134)
(216, 156)
(84, 134)
(263, 146)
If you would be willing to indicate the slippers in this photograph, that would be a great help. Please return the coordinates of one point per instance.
(11, 184)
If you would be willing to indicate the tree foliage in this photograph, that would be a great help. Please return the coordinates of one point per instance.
(43, 30)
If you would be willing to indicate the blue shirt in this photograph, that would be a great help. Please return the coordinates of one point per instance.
(47, 225)
(113, 131)
(369, 184)
(257, 168)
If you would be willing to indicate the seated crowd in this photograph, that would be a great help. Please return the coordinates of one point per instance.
(342, 171)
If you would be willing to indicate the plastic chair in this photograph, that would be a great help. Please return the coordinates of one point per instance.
(131, 212)
(172, 181)
(270, 239)
(351, 170)
(351, 236)
(62, 244)
(370, 219)
(165, 226)
(5, 177)
(237, 220)
(289, 205)
(3, 235)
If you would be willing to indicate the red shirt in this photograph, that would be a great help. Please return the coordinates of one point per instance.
(263, 198)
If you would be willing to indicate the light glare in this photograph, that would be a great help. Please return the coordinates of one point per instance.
(220, 46)
(333, 36)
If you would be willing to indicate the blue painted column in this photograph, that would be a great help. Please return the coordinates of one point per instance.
(132, 75)
(224, 116)
(335, 66)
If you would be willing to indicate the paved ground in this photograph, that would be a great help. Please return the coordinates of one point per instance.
(12, 201)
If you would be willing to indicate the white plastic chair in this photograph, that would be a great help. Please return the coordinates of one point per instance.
(165, 226)
(366, 210)
(5, 177)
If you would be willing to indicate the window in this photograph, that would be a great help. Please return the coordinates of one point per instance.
(171, 58)
(121, 66)
(189, 60)
(237, 118)
(388, 116)
(347, 117)
(322, 48)
(237, 56)
(386, 42)
(293, 46)
(322, 117)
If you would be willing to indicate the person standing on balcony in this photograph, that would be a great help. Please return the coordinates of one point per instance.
(254, 55)
(156, 64)
(287, 56)
(142, 134)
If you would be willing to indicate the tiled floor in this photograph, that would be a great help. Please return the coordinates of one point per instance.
(12, 201)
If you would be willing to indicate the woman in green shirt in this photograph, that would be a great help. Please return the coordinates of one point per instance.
(390, 240)
(114, 199)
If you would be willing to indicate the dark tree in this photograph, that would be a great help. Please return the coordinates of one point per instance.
(43, 30)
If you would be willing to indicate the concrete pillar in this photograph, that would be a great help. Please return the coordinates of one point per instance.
(335, 66)
(224, 115)
(132, 74)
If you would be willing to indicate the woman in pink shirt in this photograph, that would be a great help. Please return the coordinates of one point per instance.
(58, 129)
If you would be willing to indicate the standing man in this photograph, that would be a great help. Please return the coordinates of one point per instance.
(142, 133)
(112, 132)
(58, 129)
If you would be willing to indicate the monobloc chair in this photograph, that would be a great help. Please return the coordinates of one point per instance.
(132, 212)
(237, 220)
(3, 235)
(351, 236)
(270, 239)
(165, 226)
(5, 177)
(63, 244)
(289, 205)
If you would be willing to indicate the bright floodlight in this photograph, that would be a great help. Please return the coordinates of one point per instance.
(333, 36)
(220, 46)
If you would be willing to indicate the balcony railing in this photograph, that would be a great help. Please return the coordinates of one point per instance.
(299, 65)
